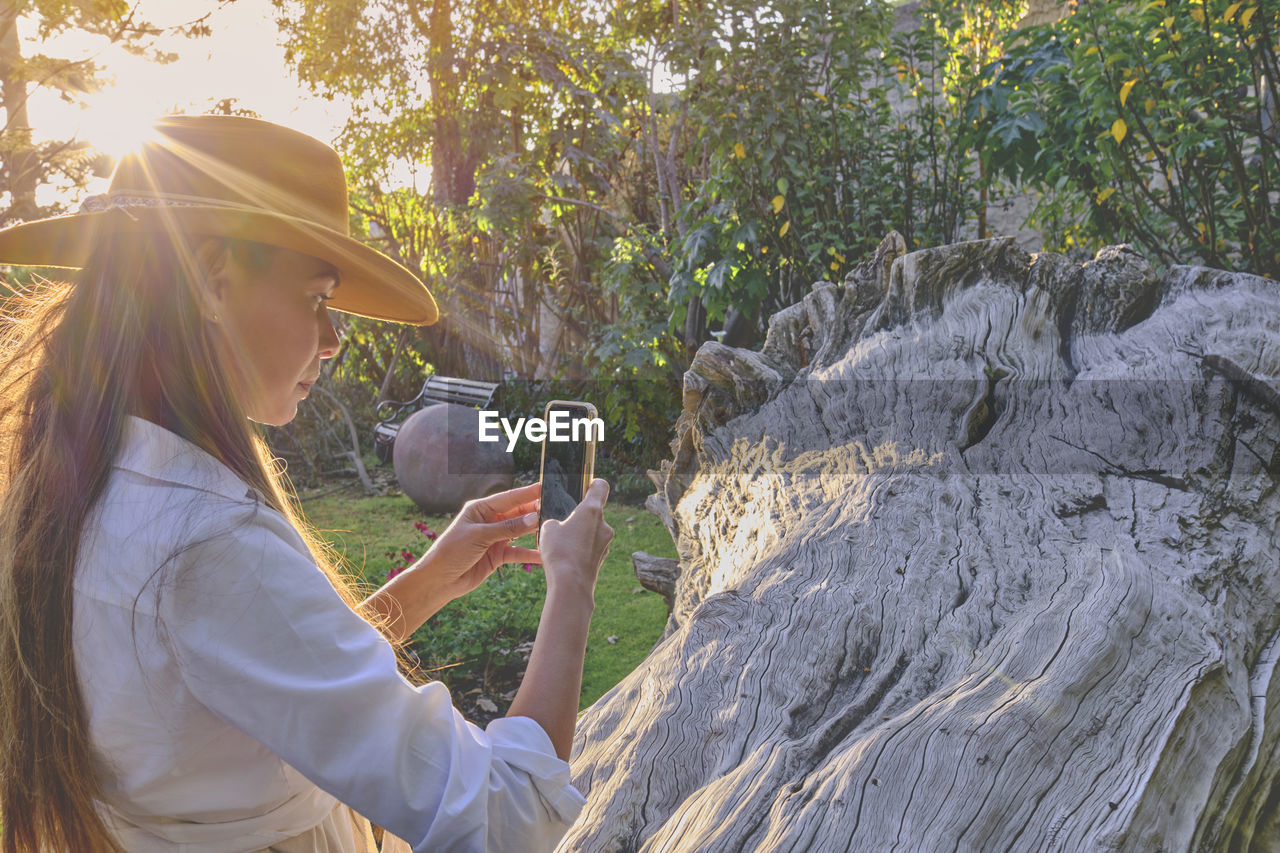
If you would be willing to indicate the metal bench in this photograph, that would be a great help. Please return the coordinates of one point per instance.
(437, 389)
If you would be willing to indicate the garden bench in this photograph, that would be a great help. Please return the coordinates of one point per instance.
(437, 389)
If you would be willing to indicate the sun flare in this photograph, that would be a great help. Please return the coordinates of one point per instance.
(115, 121)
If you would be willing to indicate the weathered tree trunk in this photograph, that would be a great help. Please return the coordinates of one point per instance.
(979, 553)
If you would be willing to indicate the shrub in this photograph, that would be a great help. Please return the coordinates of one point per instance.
(1153, 123)
(475, 640)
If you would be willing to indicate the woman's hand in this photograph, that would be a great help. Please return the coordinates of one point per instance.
(478, 540)
(573, 550)
(475, 544)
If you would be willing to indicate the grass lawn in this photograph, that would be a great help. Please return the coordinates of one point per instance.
(372, 533)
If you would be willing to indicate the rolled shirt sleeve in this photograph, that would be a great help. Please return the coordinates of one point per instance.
(264, 641)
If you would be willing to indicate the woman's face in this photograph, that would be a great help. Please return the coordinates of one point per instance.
(275, 327)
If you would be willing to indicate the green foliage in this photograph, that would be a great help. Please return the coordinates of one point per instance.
(581, 223)
(796, 181)
(803, 134)
(508, 158)
(939, 67)
(1150, 123)
(506, 188)
(475, 636)
(370, 349)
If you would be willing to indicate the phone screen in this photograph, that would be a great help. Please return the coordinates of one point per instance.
(567, 466)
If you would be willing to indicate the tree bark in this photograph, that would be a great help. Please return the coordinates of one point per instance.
(979, 553)
(19, 157)
(391, 364)
(657, 574)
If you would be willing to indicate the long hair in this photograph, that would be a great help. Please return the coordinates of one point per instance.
(127, 337)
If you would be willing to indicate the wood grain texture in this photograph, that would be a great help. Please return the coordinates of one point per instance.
(657, 574)
(978, 553)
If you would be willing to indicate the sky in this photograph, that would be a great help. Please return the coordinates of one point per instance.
(241, 59)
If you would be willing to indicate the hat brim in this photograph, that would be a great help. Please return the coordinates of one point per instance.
(372, 285)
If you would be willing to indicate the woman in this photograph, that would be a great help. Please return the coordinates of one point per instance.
(185, 671)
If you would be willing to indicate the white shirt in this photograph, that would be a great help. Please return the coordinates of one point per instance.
(232, 695)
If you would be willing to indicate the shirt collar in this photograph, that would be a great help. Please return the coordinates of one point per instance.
(153, 451)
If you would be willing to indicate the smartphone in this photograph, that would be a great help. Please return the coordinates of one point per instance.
(567, 466)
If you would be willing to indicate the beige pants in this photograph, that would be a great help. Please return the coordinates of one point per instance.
(343, 831)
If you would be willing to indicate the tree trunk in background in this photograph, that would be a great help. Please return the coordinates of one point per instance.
(403, 336)
(446, 141)
(16, 152)
(979, 553)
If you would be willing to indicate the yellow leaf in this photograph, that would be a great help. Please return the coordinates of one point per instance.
(1150, 105)
(778, 202)
(1197, 15)
(739, 151)
(1119, 129)
(1175, 37)
(839, 257)
(1168, 22)
(1091, 51)
(1230, 13)
(764, 250)
(1124, 91)
(1247, 16)
(834, 266)
(820, 97)
(1104, 195)
(786, 226)
(1159, 3)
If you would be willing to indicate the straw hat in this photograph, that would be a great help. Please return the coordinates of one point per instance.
(234, 177)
